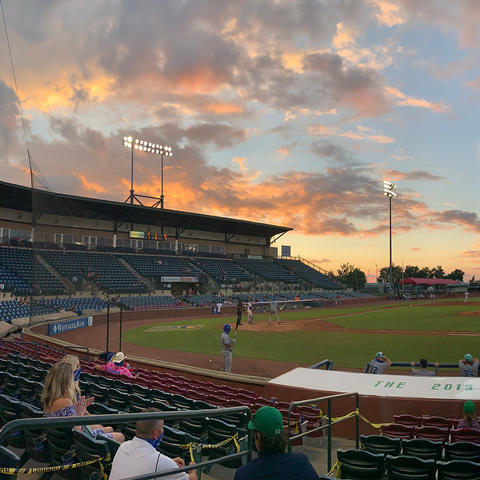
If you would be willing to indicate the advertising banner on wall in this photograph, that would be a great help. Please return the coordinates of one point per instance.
(60, 327)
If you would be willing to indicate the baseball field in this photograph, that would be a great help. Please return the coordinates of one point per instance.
(439, 330)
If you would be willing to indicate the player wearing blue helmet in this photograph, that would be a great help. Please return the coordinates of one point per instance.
(227, 347)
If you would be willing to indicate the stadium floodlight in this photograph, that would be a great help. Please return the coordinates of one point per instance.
(148, 147)
(390, 191)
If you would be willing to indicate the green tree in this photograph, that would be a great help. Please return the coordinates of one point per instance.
(411, 271)
(351, 276)
(438, 272)
(397, 274)
(425, 272)
(457, 274)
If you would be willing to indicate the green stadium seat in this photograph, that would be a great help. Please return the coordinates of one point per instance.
(360, 464)
(422, 448)
(462, 451)
(409, 468)
(8, 459)
(458, 470)
(381, 444)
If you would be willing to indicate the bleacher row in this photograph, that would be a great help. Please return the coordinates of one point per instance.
(21, 269)
(13, 309)
(24, 365)
(415, 447)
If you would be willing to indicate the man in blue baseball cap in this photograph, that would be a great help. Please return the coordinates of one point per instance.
(227, 347)
(272, 462)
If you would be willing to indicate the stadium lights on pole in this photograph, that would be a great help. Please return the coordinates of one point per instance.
(389, 190)
(148, 147)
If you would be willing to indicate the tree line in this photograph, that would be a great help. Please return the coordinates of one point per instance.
(353, 277)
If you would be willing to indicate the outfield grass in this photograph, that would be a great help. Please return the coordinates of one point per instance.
(346, 349)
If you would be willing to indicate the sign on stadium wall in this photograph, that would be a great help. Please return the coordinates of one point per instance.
(179, 279)
(61, 327)
(406, 386)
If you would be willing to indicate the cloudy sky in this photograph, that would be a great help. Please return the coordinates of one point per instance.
(291, 112)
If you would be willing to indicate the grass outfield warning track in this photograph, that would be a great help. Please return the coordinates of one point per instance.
(347, 349)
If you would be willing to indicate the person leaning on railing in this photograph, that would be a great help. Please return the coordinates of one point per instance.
(272, 462)
(139, 456)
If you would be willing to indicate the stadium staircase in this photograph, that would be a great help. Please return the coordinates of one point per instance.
(69, 286)
(148, 284)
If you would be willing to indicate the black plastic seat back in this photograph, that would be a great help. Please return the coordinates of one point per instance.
(8, 459)
(422, 448)
(138, 404)
(458, 470)
(88, 448)
(410, 468)
(462, 451)
(360, 464)
(381, 444)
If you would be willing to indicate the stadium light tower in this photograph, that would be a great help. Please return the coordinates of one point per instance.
(148, 147)
(389, 190)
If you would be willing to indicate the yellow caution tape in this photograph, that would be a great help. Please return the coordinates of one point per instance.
(57, 468)
(335, 471)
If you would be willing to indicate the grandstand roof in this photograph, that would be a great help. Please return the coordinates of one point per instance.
(430, 281)
(20, 198)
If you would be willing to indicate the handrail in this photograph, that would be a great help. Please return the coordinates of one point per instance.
(407, 364)
(329, 399)
(42, 423)
(328, 364)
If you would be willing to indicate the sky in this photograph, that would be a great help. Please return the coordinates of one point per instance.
(291, 112)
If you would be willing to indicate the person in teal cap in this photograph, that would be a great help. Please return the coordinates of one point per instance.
(379, 364)
(272, 462)
(468, 366)
(468, 420)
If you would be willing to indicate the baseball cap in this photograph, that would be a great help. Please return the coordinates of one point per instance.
(468, 357)
(268, 421)
(468, 407)
(379, 354)
(119, 357)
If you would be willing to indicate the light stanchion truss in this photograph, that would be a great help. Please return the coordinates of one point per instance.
(153, 149)
(390, 191)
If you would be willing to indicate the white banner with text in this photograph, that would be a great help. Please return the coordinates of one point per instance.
(405, 386)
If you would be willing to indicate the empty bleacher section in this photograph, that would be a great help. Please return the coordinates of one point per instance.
(13, 283)
(102, 269)
(156, 267)
(12, 309)
(19, 261)
(223, 271)
(150, 302)
(268, 270)
(314, 277)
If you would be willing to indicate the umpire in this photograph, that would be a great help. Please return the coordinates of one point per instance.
(227, 347)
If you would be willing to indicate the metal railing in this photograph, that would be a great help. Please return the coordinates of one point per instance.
(328, 426)
(407, 365)
(328, 364)
(116, 419)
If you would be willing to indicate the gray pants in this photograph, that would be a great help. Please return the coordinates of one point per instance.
(270, 319)
(227, 362)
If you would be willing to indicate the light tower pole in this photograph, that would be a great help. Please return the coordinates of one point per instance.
(154, 149)
(389, 190)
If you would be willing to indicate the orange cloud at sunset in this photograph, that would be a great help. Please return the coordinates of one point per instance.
(91, 186)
